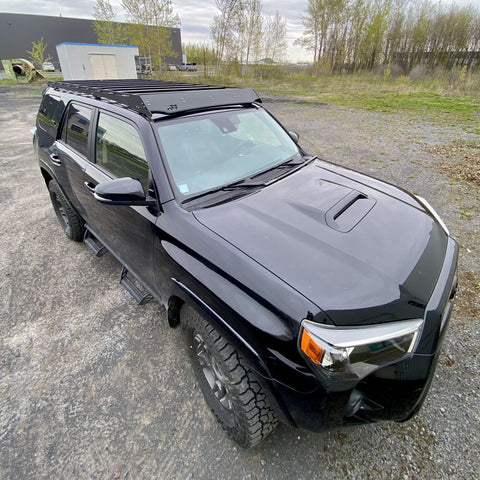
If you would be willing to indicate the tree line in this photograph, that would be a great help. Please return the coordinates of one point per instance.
(352, 35)
(342, 35)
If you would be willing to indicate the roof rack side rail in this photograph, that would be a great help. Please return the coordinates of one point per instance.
(151, 96)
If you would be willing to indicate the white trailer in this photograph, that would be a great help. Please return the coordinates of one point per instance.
(94, 61)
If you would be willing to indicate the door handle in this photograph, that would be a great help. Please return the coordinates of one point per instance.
(90, 186)
(55, 159)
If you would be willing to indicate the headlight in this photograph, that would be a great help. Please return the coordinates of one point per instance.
(351, 353)
(433, 212)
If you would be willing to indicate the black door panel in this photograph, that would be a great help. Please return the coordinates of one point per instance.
(70, 172)
(126, 231)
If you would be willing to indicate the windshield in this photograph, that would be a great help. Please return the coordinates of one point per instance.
(210, 150)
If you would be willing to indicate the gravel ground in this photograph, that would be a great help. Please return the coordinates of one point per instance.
(94, 386)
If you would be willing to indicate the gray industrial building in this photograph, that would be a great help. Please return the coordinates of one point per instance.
(18, 31)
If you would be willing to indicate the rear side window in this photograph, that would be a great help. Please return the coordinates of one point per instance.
(50, 111)
(77, 125)
(119, 149)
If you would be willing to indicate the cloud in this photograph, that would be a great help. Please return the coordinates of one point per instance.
(196, 15)
(76, 9)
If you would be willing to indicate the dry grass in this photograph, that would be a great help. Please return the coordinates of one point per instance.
(462, 159)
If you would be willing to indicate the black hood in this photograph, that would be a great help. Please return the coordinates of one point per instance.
(361, 254)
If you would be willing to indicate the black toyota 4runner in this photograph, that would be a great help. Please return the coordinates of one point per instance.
(306, 292)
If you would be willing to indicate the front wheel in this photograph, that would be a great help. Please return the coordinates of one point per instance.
(233, 392)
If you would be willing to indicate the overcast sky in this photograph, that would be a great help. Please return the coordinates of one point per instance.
(196, 15)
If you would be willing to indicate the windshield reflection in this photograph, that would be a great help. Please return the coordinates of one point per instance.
(208, 151)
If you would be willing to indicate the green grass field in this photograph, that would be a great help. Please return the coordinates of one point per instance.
(439, 100)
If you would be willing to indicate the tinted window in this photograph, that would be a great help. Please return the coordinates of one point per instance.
(119, 149)
(78, 122)
(50, 111)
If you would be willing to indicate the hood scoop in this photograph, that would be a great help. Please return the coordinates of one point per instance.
(349, 211)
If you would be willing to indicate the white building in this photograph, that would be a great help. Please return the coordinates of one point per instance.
(93, 61)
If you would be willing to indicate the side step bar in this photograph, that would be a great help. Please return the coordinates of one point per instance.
(100, 250)
(141, 297)
(89, 240)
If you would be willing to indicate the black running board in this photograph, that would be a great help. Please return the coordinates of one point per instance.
(96, 247)
(141, 297)
(100, 250)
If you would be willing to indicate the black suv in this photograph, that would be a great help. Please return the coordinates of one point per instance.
(306, 292)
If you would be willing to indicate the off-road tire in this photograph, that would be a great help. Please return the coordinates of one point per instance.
(244, 411)
(71, 223)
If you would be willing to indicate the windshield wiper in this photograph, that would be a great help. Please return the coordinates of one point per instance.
(238, 185)
(290, 163)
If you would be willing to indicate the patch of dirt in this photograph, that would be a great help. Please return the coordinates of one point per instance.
(463, 159)
(468, 297)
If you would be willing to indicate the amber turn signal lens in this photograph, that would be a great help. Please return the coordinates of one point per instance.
(311, 349)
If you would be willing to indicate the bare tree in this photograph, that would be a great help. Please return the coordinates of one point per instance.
(314, 34)
(275, 37)
(224, 27)
(358, 18)
(251, 29)
(326, 29)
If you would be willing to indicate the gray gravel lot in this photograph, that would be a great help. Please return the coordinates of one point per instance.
(94, 386)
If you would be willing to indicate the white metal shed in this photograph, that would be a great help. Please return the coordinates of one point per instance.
(94, 61)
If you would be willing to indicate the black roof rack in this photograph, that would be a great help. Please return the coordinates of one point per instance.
(154, 96)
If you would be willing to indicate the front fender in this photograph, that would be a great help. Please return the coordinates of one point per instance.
(238, 314)
(264, 335)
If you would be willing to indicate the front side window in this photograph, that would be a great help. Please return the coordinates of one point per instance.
(207, 151)
(119, 149)
(77, 125)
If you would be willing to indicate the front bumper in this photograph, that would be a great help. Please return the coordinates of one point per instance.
(395, 392)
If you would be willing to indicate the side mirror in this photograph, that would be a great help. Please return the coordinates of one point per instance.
(294, 136)
(122, 191)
